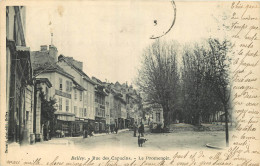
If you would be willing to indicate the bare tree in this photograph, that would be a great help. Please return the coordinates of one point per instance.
(158, 77)
(205, 81)
(199, 101)
(217, 74)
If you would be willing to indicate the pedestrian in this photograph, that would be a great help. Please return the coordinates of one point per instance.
(62, 134)
(135, 128)
(112, 128)
(45, 134)
(107, 128)
(85, 132)
(116, 129)
(141, 129)
(90, 130)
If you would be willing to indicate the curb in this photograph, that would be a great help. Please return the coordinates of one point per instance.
(212, 146)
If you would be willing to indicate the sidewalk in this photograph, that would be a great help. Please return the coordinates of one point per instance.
(102, 134)
(66, 142)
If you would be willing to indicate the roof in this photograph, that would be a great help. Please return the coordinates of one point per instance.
(78, 86)
(44, 80)
(50, 67)
(24, 57)
(68, 61)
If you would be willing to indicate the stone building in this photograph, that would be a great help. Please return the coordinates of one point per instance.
(63, 85)
(19, 84)
(41, 87)
(100, 105)
(83, 102)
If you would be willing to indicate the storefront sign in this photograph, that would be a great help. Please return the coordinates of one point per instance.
(63, 94)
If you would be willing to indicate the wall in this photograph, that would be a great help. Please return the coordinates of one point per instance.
(89, 99)
(76, 102)
(123, 111)
(29, 111)
(77, 77)
(54, 79)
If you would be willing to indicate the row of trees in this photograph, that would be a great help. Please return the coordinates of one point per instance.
(205, 80)
(190, 83)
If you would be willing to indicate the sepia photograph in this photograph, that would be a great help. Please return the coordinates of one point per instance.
(136, 78)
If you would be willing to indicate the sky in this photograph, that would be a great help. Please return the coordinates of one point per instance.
(109, 37)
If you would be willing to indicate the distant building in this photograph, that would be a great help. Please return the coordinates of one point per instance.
(157, 114)
(100, 105)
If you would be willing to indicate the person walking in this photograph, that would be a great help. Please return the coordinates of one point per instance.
(45, 132)
(107, 128)
(116, 129)
(135, 128)
(141, 129)
(85, 132)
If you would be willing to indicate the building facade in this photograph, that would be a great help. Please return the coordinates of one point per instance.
(19, 84)
(100, 106)
(75, 67)
(63, 85)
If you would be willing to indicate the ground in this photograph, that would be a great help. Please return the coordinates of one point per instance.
(156, 141)
(183, 138)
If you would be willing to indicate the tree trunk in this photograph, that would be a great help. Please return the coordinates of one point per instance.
(226, 124)
(166, 117)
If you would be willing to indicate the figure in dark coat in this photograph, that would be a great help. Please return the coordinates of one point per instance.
(141, 129)
(116, 129)
(135, 129)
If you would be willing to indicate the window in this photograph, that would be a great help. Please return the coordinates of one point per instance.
(76, 111)
(80, 97)
(60, 81)
(97, 111)
(81, 112)
(60, 104)
(85, 112)
(70, 86)
(75, 94)
(67, 86)
(67, 106)
(96, 98)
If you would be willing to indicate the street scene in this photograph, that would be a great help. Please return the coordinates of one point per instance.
(125, 139)
(72, 87)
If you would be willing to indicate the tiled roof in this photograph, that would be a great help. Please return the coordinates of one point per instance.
(78, 86)
(50, 67)
(68, 61)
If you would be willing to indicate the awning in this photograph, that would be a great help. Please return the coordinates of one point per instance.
(64, 113)
(65, 118)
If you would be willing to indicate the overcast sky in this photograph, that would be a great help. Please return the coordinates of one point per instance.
(109, 37)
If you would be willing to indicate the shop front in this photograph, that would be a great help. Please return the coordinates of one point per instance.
(100, 125)
(129, 122)
(121, 123)
(64, 126)
(77, 127)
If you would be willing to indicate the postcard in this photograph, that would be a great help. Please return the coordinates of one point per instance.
(130, 83)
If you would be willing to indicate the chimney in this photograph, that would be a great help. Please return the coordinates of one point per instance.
(53, 52)
(44, 47)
